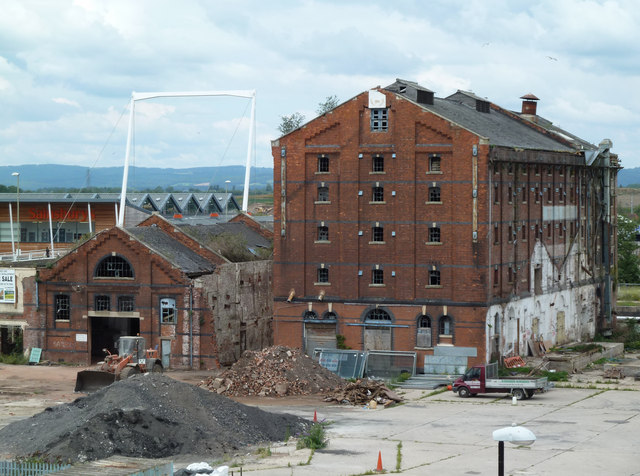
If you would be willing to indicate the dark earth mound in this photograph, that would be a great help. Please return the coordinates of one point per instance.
(147, 416)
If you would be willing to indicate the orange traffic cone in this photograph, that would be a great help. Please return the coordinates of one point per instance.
(315, 417)
(379, 467)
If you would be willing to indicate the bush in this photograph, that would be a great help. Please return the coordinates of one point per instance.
(13, 359)
(313, 438)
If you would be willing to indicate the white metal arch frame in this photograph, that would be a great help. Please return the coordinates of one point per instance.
(143, 96)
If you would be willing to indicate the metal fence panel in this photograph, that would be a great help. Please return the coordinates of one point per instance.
(345, 363)
(13, 468)
(387, 364)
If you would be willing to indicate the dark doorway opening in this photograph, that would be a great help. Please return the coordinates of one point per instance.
(11, 340)
(105, 332)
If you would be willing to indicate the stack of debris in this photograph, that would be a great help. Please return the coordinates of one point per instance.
(274, 372)
(365, 392)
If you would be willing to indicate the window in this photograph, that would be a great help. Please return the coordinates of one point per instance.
(434, 194)
(434, 277)
(323, 164)
(496, 234)
(168, 311)
(329, 316)
(423, 338)
(549, 193)
(510, 274)
(496, 193)
(377, 234)
(523, 230)
(310, 316)
(537, 194)
(377, 276)
(323, 194)
(377, 194)
(102, 303)
(561, 193)
(377, 164)
(524, 194)
(379, 120)
(434, 163)
(323, 233)
(434, 234)
(496, 276)
(445, 327)
(509, 193)
(377, 315)
(62, 308)
(114, 267)
(126, 304)
(323, 275)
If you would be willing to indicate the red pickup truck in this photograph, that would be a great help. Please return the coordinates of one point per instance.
(484, 379)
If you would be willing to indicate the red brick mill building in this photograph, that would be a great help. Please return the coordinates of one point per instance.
(404, 221)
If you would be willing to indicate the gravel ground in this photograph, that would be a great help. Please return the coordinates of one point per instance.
(148, 416)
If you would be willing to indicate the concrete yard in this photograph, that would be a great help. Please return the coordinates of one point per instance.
(580, 431)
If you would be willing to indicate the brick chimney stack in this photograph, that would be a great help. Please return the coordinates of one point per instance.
(529, 104)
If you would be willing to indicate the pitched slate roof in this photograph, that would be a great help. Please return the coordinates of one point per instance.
(500, 127)
(179, 255)
(206, 233)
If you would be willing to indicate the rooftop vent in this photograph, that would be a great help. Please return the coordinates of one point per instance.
(529, 104)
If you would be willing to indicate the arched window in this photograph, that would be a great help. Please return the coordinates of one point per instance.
(310, 316)
(113, 267)
(423, 337)
(329, 316)
(377, 315)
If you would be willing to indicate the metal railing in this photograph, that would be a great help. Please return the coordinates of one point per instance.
(32, 255)
(13, 468)
(377, 364)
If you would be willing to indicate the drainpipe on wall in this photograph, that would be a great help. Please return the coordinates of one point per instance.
(191, 326)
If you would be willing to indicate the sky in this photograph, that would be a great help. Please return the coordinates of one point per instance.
(68, 69)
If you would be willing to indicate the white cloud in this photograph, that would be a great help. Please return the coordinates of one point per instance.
(89, 56)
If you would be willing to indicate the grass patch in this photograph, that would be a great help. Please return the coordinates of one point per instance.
(395, 381)
(13, 359)
(264, 452)
(399, 456)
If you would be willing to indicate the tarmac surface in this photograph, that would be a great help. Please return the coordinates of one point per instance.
(592, 430)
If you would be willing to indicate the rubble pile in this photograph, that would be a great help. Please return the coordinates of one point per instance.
(363, 392)
(274, 372)
(145, 416)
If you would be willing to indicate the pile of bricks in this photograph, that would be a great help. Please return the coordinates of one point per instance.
(276, 371)
(365, 392)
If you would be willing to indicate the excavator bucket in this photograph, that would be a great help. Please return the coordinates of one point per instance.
(88, 381)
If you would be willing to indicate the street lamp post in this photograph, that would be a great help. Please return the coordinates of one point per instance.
(17, 175)
(514, 434)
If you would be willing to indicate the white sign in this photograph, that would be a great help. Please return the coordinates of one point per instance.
(7, 285)
(81, 337)
(377, 100)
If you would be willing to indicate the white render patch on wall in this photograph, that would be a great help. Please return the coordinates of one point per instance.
(558, 311)
(566, 212)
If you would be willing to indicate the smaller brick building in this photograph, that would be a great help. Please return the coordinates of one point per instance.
(198, 308)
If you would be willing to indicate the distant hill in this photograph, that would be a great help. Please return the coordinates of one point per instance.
(34, 177)
(628, 177)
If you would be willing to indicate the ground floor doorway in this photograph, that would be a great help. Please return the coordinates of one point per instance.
(11, 340)
(319, 336)
(105, 332)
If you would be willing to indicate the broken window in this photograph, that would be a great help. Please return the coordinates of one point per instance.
(102, 303)
(323, 163)
(379, 120)
(62, 308)
(377, 194)
(434, 234)
(377, 163)
(126, 304)
(323, 275)
(423, 338)
(323, 194)
(434, 194)
(168, 311)
(113, 267)
(377, 234)
(434, 163)
(434, 277)
(323, 233)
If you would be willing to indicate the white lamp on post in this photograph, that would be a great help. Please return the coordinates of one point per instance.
(514, 434)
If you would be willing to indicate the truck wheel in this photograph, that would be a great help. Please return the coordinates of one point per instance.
(519, 393)
(157, 368)
(129, 372)
(463, 392)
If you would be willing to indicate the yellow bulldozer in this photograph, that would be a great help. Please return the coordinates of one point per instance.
(132, 358)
